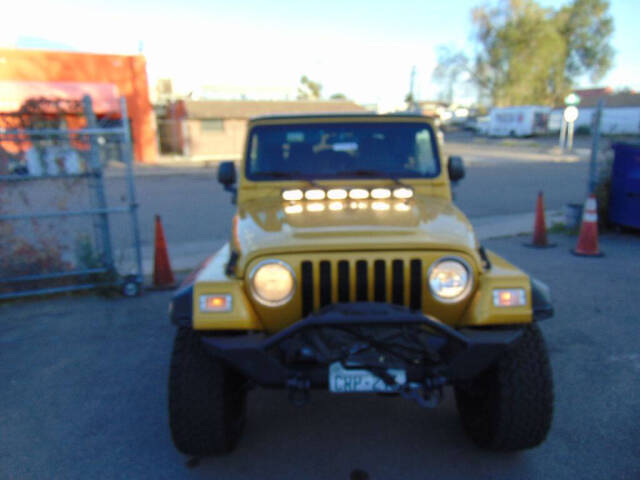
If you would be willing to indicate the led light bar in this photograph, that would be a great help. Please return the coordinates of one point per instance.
(358, 193)
(380, 193)
(403, 193)
(315, 194)
(292, 195)
(337, 194)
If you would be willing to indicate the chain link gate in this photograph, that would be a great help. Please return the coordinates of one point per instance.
(56, 226)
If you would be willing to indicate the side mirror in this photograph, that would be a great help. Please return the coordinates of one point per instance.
(227, 174)
(455, 168)
(227, 177)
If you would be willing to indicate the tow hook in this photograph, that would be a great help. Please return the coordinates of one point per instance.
(299, 388)
(427, 394)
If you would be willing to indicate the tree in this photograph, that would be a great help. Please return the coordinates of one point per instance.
(308, 89)
(587, 28)
(338, 96)
(451, 65)
(527, 54)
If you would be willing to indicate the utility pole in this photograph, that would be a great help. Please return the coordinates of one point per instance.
(412, 103)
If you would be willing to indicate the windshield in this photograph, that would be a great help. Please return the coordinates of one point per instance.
(342, 150)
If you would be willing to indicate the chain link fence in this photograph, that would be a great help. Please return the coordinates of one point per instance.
(57, 231)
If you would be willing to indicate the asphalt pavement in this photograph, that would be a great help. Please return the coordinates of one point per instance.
(83, 394)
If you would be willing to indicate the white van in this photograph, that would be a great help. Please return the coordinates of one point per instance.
(520, 121)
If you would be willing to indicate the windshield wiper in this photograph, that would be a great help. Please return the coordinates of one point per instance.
(277, 174)
(370, 173)
(363, 173)
(292, 175)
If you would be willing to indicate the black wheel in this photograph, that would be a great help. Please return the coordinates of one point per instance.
(207, 400)
(510, 406)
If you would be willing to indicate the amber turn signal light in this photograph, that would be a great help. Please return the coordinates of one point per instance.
(215, 303)
(512, 297)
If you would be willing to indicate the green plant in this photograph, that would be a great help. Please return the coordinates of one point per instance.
(559, 227)
(85, 256)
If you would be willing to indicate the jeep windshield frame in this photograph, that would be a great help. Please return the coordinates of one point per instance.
(346, 150)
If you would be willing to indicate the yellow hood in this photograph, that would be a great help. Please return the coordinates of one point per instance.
(270, 226)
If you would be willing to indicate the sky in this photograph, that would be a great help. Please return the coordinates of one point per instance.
(363, 49)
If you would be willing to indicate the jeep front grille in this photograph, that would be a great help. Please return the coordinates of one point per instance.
(377, 280)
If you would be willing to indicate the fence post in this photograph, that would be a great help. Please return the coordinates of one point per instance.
(595, 145)
(96, 179)
(133, 203)
(563, 131)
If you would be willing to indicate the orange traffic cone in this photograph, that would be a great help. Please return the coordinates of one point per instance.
(539, 239)
(587, 245)
(162, 274)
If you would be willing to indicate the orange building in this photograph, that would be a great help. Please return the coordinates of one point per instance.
(68, 75)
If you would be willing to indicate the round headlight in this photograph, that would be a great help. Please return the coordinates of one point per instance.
(272, 283)
(450, 279)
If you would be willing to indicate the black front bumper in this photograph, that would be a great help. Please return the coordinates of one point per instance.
(375, 336)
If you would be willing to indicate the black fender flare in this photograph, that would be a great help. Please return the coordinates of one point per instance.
(542, 305)
(181, 306)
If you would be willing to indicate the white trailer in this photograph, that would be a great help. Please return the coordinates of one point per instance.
(615, 120)
(520, 121)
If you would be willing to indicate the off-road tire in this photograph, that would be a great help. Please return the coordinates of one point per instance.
(207, 400)
(510, 406)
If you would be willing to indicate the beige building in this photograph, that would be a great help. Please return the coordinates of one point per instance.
(216, 129)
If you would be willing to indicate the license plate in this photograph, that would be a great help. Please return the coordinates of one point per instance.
(348, 380)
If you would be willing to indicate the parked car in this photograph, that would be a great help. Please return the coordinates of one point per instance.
(478, 125)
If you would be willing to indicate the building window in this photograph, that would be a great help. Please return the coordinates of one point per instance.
(212, 125)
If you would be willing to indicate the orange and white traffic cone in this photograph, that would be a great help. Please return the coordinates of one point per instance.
(539, 239)
(162, 274)
(587, 245)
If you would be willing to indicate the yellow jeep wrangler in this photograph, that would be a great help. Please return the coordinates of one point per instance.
(349, 268)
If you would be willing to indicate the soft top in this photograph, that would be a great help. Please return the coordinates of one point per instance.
(346, 116)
